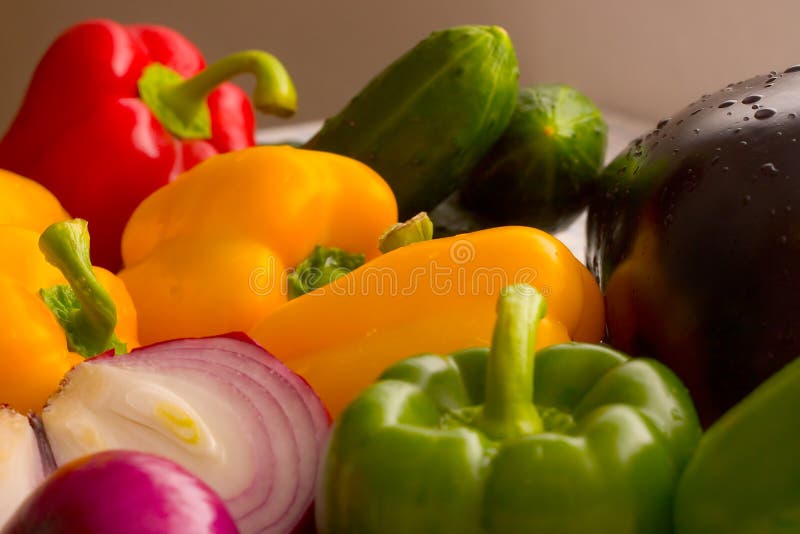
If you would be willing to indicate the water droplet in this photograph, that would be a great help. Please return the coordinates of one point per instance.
(662, 123)
(752, 99)
(768, 85)
(743, 142)
(746, 200)
(793, 68)
(792, 115)
(755, 106)
(737, 130)
(773, 212)
(729, 113)
(679, 122)
(788, 208)
(727, 103)
(769, 169)
(771, 79)
(779, 133)
(697, 130)
(698, 110)
(765, 113)
(675, 150)
(714, 160)
(745, 119)
(718, 149)
(725, 168)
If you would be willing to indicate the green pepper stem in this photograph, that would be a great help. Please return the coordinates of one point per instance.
(66, 246)
(508, 409)
(417, 228)
(274, 93)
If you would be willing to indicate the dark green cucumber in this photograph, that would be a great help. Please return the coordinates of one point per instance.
(543, 169)
(427, 119)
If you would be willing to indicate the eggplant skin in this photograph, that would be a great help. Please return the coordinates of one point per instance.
(695, 240)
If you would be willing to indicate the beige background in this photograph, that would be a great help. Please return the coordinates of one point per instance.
(645, 58)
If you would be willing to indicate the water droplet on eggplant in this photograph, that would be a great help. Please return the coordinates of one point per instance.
(765, 113)
(751, 99)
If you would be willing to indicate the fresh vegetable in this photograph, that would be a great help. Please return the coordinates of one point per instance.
(26, 204)
(222, 407)
(432, 295)
(744, 476)
(577, 438)
(57, 309)
(124, 492)
(205, 256)
(108, 119)
(543, 169)
(426, 119)
(21, 469)
(694, 240)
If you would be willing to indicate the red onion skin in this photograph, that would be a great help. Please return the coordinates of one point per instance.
(123, 492)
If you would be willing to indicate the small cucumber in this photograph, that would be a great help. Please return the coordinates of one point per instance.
(427, 119)
(543, 169)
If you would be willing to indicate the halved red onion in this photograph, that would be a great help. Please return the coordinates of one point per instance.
(124, 492)
(222, 407)
(20, 463)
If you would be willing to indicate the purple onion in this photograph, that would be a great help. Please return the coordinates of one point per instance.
(221, 407)
(21, 468)
(124, 492)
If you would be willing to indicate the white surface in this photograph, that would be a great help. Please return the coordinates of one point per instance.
(621, 130)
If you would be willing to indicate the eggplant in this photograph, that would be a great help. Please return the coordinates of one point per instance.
(695, 240)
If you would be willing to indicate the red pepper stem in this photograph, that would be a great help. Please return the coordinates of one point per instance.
(508, 410)
(274, 93)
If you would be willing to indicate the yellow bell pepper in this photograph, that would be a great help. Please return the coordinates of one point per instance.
(432, 296)
(210, 252)
(34, 348)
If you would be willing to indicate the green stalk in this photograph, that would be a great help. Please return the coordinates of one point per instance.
(417, 228)
(508, 410)
(84, 309)
(180, 105)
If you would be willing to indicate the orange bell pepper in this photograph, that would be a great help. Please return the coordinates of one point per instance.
(432, 296)
(210, 252)
(34, 348)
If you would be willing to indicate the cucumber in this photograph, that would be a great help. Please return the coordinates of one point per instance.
(427, 119)
(544, 168)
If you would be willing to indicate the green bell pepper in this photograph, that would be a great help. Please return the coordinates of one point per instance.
(745, 476)
(476, 442)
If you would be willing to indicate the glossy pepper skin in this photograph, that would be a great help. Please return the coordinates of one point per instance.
(210, 253)
(575, 439)
(34, 349)
(744, 477)
(84, 132)
(428, 296)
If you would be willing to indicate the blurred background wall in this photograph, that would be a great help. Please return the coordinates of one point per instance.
(644, 58)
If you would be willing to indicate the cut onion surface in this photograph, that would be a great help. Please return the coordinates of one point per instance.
(222, 407)
(21, 468)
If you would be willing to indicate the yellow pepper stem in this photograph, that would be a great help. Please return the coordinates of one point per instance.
(417, 228)
(84, 309)
(508, 410)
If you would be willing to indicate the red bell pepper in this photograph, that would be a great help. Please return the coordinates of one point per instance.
(110, 116)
